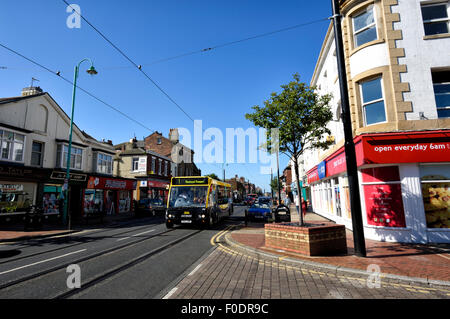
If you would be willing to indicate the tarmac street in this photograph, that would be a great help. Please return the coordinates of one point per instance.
(140, 258)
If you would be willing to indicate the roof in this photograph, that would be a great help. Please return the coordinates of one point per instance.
(18, 98)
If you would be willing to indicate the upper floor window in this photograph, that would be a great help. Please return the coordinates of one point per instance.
(37, 152)
(441, 85)
(436, 18)
(373, 102)
(76, 156)
(364, 27)
(104, 163)
(12, 146)
(160, 167)
(166, 164)
(153, 165)
(159, 140)
(135, 163)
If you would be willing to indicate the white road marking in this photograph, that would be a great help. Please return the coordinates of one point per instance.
(195, 269)
(170, 293)
(42, 261)
(145, 232)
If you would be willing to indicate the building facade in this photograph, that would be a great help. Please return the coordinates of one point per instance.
(398, 72)
(34, 133)
(152, 171)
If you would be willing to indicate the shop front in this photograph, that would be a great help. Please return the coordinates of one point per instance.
(108, 195)
(404, 181)
(154, 189)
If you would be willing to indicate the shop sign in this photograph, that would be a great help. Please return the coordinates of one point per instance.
(384, 205)
(321, 169)
(11, 187)
(313, 176)
(142, 164)
(336, 165)
(422, 152)
(110, 183)
(143, 184)
(157, 184)
(73, 176)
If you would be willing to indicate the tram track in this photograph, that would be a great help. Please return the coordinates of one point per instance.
(80, 260)
(67, 238)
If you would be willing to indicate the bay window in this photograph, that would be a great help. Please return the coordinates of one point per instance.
(12, 146)
(76, 157)
(104, 163)
(364, 27)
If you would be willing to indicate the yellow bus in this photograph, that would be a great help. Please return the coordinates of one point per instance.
(197, 200)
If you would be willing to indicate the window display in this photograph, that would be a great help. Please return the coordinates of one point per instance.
(435, 181)
(93, 201)
(52, 201)
(16, 197)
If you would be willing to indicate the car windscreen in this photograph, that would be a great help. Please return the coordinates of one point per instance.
(260, 205)
(188, 196)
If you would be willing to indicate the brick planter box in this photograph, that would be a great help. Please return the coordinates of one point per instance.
(311, 240)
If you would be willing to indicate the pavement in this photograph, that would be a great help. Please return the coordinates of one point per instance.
(425, 263)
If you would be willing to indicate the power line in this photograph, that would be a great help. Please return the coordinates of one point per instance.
(68, 81)
(139, 67)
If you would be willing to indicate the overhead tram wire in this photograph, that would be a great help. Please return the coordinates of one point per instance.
(70, 82)
(139, 67)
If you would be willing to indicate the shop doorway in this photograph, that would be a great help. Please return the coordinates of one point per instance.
(111, 200)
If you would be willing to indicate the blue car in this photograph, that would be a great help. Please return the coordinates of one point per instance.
(259, 211)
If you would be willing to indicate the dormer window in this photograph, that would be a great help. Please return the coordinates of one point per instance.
(159, 140)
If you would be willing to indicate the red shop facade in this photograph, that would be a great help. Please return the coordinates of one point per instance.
(109, 195)
(404, 182)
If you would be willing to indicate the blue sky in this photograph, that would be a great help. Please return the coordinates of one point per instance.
(217, 86)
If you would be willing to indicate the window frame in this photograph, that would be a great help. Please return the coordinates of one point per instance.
(367, 27)
(12, 149)
(134, 160)
(446, 107)
(364, 104)
(431, 21)
(103, 162)
(41, 156)
(60, 156)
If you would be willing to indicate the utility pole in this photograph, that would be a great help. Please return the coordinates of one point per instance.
(271, 179)
(278, 180)
(350, 153)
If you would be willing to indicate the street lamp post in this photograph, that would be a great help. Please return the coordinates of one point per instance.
(91, 71)
(350, 153)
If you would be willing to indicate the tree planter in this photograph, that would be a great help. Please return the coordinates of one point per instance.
(311, 239)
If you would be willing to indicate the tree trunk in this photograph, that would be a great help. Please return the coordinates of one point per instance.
(299, 191)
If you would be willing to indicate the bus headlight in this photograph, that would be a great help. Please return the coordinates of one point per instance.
(203, 216)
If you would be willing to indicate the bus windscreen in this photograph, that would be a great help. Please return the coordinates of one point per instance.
(188, 196)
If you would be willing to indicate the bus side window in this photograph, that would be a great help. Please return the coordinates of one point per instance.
(212, 196)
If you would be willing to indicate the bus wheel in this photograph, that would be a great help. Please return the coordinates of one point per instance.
(169, 225)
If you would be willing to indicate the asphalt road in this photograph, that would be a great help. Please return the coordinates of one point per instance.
(135, 259)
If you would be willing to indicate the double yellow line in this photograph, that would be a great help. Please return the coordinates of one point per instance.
(220, 234)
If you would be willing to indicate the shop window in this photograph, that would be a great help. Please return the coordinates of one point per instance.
(383, 196)
(12, 146)
(436, 18)
(435, 180)
(52, 201)
(364, 27)
(104, 163)
(373, 102)
(76, 157)
(37, 152)
(441, 85)
(16, 197)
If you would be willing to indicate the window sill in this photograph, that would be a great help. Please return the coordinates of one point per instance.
(436, 36)
(365, 45)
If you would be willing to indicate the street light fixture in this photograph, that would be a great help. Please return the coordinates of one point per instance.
(90, 71)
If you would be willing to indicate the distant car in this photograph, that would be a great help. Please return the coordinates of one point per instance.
(151, 206)
(260, 211)
(251, 198)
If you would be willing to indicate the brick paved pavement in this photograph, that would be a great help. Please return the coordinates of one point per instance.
(232, 274)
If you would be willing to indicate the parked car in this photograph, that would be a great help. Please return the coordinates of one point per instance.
(260, 211)
(250, 200)
(150, 206)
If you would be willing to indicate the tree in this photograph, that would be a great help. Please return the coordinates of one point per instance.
(214, 176)
(274, 184)
(300, 117)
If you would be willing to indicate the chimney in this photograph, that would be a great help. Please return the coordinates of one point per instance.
(174, 136)
(32, 90)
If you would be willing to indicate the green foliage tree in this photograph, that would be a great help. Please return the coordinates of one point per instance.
(300, 116)
(274, 184)
(212, 175)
